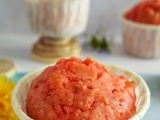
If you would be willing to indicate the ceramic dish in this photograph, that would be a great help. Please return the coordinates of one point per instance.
(19, 94)
(141, 40)
(58, 18)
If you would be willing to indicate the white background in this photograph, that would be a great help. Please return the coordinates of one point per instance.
(102, 13)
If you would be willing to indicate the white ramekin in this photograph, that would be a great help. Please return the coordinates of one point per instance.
(58, 18)
(141, 40)
(19, 94)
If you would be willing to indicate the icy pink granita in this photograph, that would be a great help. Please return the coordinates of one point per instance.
(75, 89)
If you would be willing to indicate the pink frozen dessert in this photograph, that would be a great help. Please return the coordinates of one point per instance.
(75, 89)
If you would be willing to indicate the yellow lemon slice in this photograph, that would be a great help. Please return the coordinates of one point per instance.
(7, 68)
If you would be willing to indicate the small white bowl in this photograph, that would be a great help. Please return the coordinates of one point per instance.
(19, 94)
(141, 40)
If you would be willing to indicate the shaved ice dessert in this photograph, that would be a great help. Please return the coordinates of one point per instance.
(75, 89)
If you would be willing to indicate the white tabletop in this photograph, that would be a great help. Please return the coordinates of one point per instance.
(17, 48)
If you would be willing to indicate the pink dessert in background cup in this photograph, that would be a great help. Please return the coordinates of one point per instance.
(141, 29)
(58, 18)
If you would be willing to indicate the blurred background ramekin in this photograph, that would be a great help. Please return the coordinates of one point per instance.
(139, 39)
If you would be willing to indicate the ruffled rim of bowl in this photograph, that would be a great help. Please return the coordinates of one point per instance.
(138, 116)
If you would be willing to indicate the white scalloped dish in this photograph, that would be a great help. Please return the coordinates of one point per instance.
(142, 92)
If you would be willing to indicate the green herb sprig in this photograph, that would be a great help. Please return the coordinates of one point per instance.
(100, 43)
